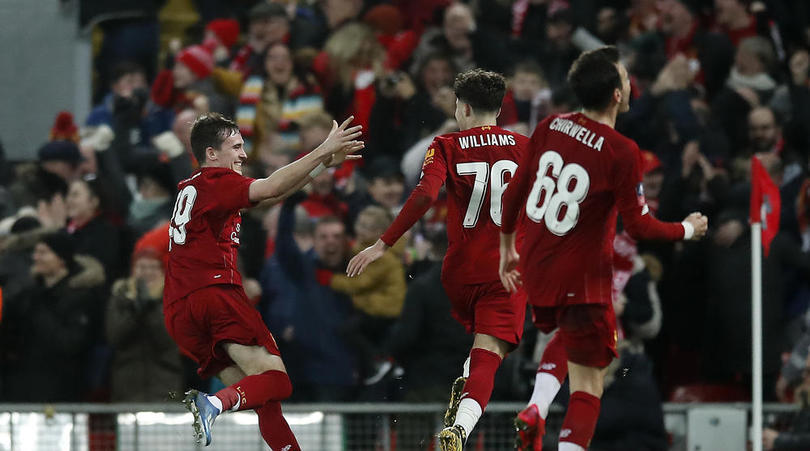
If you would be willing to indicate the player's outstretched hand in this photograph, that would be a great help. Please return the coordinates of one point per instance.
(699, 223)
(345, 154)
(366, 257)
(342, 138)
(510, 276)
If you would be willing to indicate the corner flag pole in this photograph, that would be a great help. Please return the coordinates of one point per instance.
(756, 334)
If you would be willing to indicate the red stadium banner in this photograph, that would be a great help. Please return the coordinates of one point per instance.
(765, 203)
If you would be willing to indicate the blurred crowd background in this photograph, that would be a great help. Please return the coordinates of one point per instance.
(83, 240)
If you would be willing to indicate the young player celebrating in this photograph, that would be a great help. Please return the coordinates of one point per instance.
(476, 164)
(576, 174)
(205, 307)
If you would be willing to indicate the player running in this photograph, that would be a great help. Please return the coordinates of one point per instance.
(476, 164)
(576, 174)
(205, 307)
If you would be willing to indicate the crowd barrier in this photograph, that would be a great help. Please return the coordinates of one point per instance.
(326, 427)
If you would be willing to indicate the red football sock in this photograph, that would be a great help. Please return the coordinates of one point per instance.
(483, 365)
(274, 428)
(554, 360)
(254, 391)
(580, 420)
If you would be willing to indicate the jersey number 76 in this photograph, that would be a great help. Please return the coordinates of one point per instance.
(481, 171)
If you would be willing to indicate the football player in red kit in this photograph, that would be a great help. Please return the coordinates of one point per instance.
(205, 307)
(476, 165)
(577, 173)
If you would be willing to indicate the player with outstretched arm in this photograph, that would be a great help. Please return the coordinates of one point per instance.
(475, 164)
(576, 175)
(205, 307)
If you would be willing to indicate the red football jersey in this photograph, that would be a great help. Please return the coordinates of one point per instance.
(204, 231)
(476, 164)
(575, 176)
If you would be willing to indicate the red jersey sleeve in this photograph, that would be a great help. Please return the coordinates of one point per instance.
(231, 191)
(629, 194)
(518, 189)
(434, 173)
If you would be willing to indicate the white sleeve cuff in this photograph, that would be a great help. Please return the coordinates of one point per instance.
(688, 230)
(318, 169)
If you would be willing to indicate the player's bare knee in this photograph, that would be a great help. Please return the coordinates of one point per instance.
(491, 344)
(593, 387)
(253, 359)
(231, 375)
(263, 362)
(587, 379)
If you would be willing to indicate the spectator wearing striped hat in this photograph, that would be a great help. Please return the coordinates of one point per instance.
(272, 103)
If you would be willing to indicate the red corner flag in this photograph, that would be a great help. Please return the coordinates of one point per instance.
(765, 203)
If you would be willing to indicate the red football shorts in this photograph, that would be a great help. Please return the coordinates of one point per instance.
(487, 308)
(199, 322)
(588, 331)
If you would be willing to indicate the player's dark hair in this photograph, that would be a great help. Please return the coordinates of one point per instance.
(210, 130)
(481, 89)
(594, 76)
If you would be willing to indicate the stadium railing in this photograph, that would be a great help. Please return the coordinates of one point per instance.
(320, 427)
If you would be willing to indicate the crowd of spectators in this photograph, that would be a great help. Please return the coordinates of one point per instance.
(83, 236)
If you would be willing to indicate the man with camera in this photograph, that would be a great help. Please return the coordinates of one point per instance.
(126, 99)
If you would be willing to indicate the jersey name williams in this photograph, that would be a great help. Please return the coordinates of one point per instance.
(490, 139)
(577, 132)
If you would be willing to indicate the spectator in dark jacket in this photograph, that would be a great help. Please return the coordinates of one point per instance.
(146, 363)
(49, 328)
(93, 234)
(124, 121)
(306, 316)
(406, 109)
(631, 416)
(557, 51)
(792, 102)
(429, 344)
(467, 43)
(15, 258)
(797, 436)
(127, 80)
(727, 351)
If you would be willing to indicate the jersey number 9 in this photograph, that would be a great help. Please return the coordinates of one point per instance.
(181, 215)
